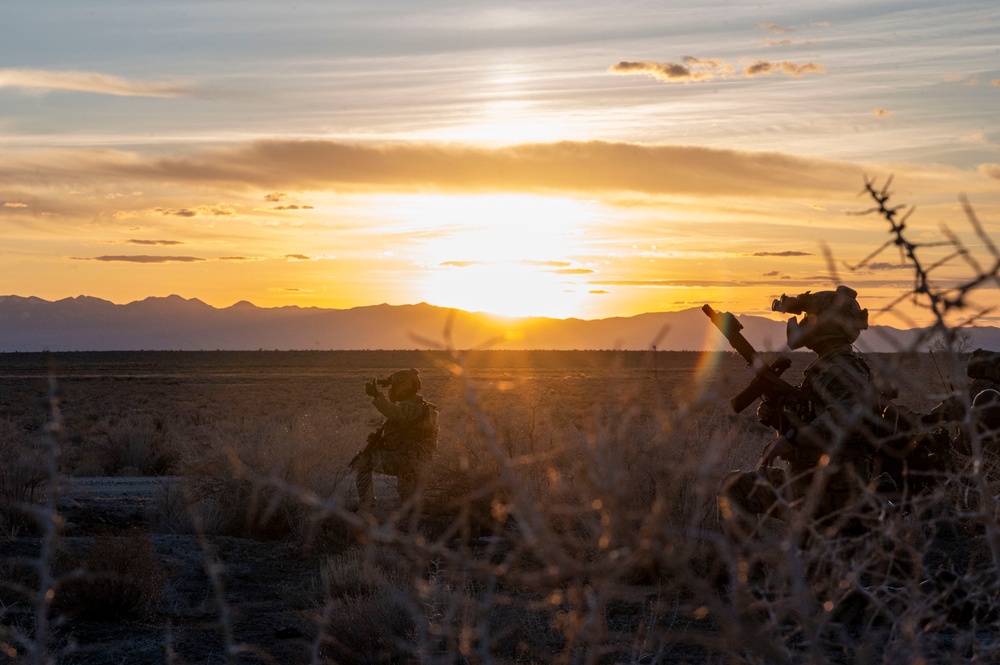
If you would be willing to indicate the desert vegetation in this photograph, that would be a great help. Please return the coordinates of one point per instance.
(568, 516)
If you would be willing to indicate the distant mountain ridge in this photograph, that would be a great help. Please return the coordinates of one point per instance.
(86, 323)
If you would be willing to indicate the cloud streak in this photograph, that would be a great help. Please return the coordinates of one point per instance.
(143, 258)
(696, 70)
(775, 28)
(135, 241)
(92, 82)
(595, 167)
(212, 211)
(765, 67)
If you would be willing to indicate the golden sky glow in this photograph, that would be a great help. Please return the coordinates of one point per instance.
(552, 161)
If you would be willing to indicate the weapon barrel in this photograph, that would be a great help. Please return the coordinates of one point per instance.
(768, 377)
(731, 327)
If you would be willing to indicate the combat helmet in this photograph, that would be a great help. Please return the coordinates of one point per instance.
(403, 384)
(830, 318)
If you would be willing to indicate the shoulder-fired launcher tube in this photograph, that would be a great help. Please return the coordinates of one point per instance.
(768, 379)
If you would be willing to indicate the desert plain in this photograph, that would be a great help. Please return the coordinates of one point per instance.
(196, 507)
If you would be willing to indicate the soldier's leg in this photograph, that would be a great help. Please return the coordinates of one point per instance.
(743, 495)
(365, 483)
(405, 467)
(406, 483)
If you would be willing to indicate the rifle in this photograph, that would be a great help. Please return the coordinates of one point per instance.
(375, 439)
(768, 382)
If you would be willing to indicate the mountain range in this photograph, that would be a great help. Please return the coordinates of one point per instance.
(174, 323)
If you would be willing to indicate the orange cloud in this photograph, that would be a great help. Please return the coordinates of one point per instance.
(882, 113)
(153, 242)
(141, 258)
(594, 167)
(695, 70)
(13, 204)
(214, 211)
(990, 170)
(666, 71)
(93, 82)
(763, 68)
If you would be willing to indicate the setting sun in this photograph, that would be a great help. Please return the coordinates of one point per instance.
(514, 255)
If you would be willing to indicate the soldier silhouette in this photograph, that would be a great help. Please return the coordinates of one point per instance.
(404, 442)
(827, 435)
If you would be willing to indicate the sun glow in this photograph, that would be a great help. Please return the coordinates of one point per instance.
(514, 255)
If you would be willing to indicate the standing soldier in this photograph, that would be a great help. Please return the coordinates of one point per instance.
(404, 442)
(826, 432)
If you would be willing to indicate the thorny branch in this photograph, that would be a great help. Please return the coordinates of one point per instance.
(940, 301)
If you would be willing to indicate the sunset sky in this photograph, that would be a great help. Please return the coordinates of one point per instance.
(586, 159)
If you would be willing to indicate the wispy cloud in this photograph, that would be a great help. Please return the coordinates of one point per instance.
(298, 257)
(213, 211)
(775, 28)
(882, 113)
(695, 70)
(136, 241)
(546, 264)
(685, 283)
(594, 167)
(93, 82)
(459, 264)
(573, 271)
(292, 290)
(292, 207)
(879, 267)
(785, 253)
(14, 204)
(142, 258)
(790, 42)
(692, 70)
(765, 67)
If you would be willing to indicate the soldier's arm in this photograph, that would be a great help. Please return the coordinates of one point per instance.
(400, 412)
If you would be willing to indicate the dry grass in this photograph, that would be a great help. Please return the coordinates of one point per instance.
(569, 516)
(120, 577)
(21, 474)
